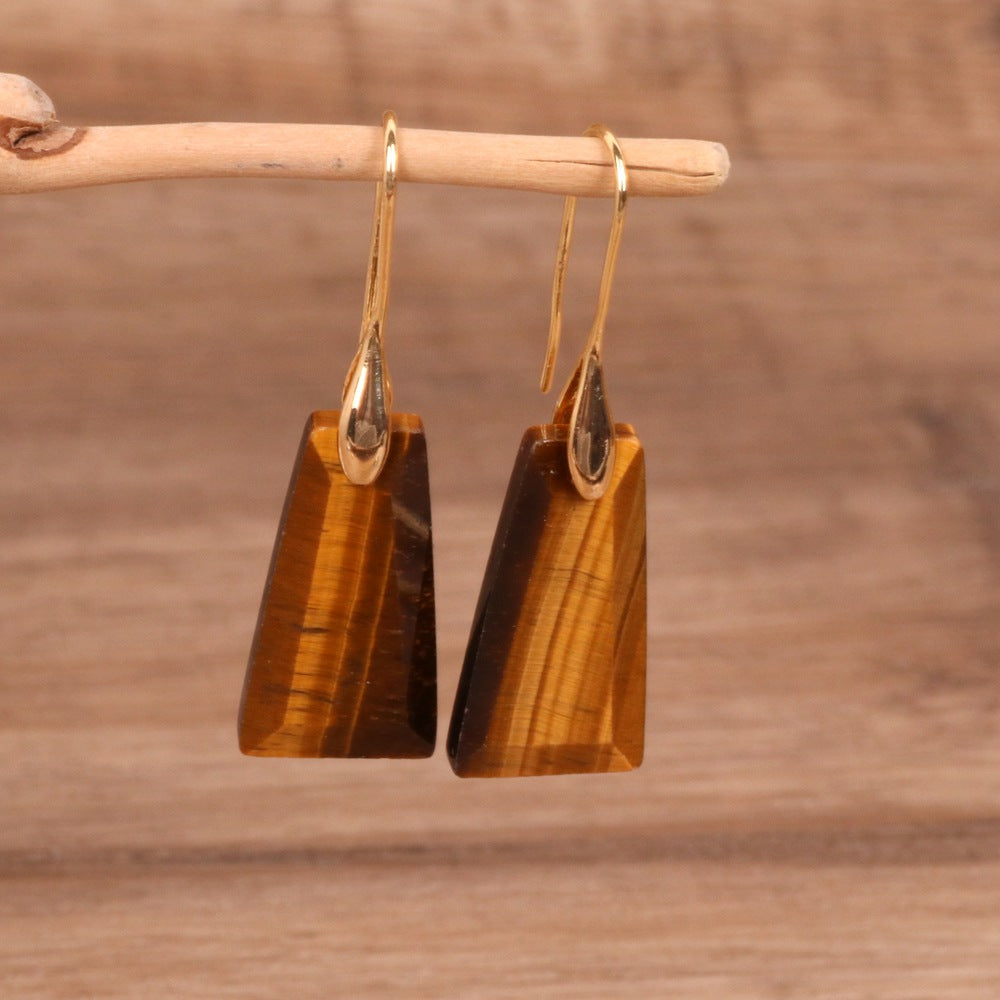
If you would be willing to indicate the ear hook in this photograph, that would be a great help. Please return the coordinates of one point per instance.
(583, 403)
(364, 430)
(377, 278)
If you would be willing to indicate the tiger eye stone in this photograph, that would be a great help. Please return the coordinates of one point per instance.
(554, 678)
(343, 659)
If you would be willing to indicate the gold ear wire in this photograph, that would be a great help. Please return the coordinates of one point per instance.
(558, 286)
(583, 402)
(380, 256)
(363, 435)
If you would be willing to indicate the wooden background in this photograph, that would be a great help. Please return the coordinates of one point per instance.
(811, 358)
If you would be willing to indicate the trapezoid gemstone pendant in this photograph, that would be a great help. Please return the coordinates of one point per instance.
(343, 659)
(554, 679)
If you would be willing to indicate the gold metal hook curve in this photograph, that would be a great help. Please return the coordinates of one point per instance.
(365, 417)
(377, 278)
(583, 403)
(610, 256)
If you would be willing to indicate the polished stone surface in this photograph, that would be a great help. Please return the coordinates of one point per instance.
(343, 660)
(554, 676)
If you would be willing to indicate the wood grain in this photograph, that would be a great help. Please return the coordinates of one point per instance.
(811, 357)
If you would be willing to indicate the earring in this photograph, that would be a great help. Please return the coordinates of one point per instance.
(343, 658)
(555, 672)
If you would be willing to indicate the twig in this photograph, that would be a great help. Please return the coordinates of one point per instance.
(37, 153)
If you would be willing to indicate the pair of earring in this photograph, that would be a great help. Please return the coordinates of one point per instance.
(343, 662)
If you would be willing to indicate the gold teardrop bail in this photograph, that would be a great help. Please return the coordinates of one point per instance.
(364, 430)
(583, 403)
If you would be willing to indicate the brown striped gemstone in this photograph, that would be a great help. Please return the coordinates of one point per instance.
(343, 659)
(555, 673)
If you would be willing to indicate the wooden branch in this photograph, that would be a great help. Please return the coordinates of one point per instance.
(37, 153)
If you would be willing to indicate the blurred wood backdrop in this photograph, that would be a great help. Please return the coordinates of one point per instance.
(811, 358)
